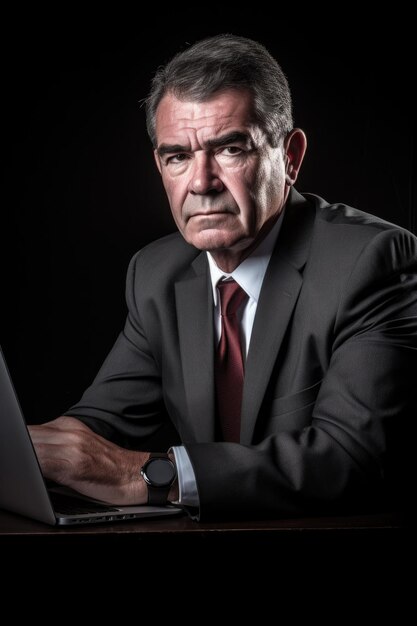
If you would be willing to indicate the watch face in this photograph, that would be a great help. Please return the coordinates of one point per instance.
(160, 472)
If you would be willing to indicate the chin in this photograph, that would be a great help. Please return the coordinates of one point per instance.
(212, 240)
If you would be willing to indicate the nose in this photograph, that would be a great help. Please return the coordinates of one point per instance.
(204, 175)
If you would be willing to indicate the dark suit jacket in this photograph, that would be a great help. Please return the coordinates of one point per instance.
(330, 386)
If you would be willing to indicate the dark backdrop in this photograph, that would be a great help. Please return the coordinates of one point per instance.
(83, 193)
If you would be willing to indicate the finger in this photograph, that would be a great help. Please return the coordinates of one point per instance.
(54, 432)
(56, 469)
(60, 424)
(66, 422)
(54, 462)
(45, 435)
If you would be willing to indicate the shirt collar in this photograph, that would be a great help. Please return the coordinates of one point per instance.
(251, 272)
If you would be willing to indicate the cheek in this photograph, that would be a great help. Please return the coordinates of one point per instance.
(268, 186)
(240, 184)
(169, 185)
(176, 191)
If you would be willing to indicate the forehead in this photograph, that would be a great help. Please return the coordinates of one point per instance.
(227, 110)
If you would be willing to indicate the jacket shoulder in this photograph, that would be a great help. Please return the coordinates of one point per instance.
(349, 247)
(339, 214)
(345, 230)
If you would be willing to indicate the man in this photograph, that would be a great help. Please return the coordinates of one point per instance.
(275, 332)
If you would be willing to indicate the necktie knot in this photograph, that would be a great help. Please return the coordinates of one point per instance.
(231, 297)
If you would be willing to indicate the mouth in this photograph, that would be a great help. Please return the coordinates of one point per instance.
(212, 212)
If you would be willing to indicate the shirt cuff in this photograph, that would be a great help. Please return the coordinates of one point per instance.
(187, 484)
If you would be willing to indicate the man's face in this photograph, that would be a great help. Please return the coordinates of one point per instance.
(223, 180)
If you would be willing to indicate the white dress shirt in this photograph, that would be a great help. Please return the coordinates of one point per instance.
(249, 275)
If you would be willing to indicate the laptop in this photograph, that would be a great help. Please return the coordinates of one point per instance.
(23, 488)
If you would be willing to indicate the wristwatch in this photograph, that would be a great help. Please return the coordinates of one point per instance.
(159, 473)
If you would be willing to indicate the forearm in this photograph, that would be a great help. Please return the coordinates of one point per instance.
(290, 474)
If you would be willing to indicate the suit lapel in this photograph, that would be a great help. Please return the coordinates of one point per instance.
(279, 294)
(194, 302)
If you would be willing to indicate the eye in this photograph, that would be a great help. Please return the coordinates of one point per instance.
(231, 151)
(177, 158)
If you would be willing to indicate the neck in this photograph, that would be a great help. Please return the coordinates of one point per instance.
(229, 259)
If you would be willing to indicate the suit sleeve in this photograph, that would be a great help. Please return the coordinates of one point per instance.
(124, 402)
(354, 452)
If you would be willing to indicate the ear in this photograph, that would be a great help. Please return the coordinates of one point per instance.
(157, 161)
(295, 145)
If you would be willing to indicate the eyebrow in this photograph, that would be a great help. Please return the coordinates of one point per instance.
(217, 142)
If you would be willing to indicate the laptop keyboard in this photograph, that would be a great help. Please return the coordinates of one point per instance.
(72, 506)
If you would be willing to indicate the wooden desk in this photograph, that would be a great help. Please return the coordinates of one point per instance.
(364, 543)
(179, 533)
(181, 527)
(283, 565)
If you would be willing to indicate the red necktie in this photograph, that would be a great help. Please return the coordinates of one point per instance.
(229, 362)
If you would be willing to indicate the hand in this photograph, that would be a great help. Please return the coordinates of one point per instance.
(71, 454)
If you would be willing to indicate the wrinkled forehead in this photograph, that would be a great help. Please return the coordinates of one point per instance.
(227, 110)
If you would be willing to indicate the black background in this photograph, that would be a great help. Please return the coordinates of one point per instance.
(82, 193)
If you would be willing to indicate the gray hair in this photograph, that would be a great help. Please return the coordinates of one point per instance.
(226, 62)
